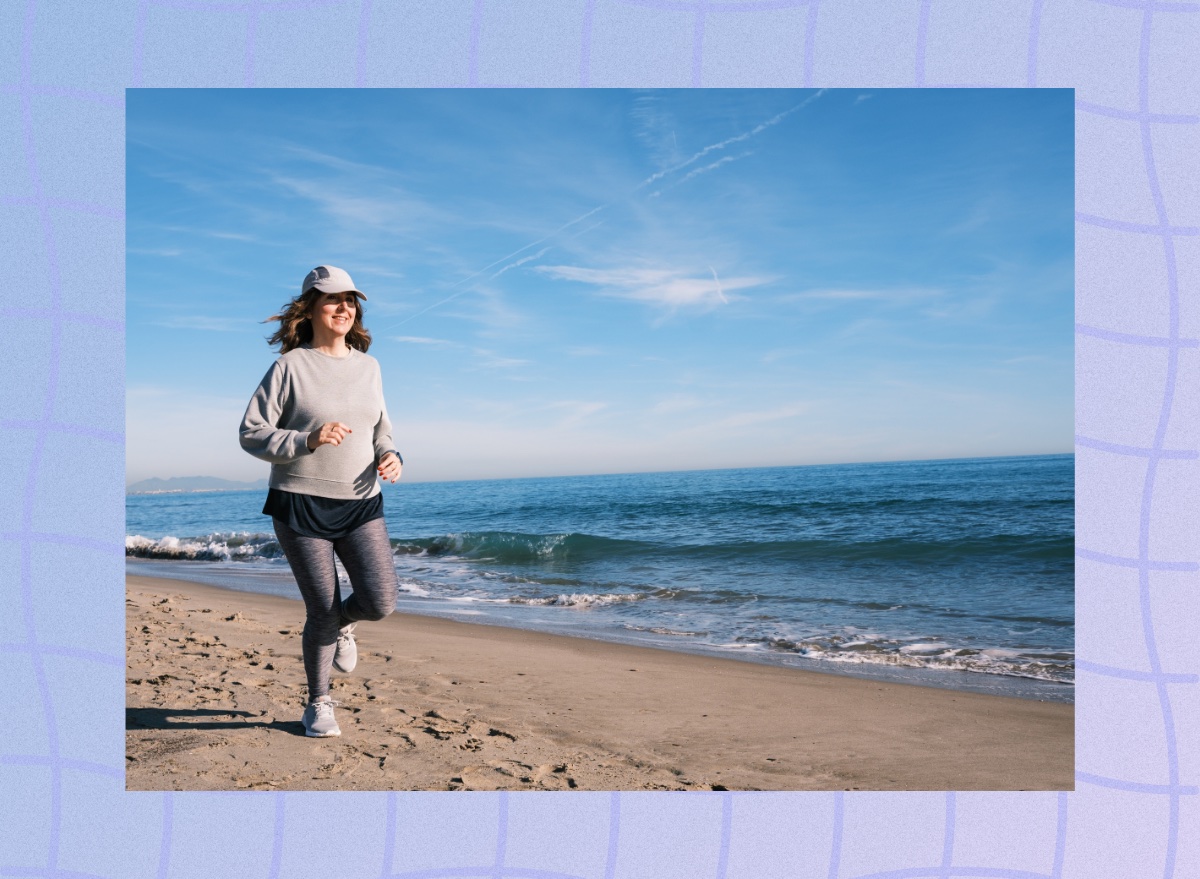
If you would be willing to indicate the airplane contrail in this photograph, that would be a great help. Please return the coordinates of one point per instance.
(520, 262)
(720, 292)
(497, 262)
(762, 126)
(578, 219)
(696, 172)
(745, 135)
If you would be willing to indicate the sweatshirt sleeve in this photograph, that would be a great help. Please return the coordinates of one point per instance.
(383, 427)
(260, 433)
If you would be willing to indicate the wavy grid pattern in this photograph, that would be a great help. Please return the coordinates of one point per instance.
(1134, 797)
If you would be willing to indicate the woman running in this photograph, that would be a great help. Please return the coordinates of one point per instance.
(319, 417)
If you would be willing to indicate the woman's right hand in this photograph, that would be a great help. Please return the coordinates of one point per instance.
(332, 434)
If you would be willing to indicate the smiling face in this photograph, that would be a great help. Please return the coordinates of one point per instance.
(332, 316)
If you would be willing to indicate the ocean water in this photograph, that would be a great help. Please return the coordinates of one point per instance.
(947, 573)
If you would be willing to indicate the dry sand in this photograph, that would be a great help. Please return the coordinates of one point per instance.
(215, 691)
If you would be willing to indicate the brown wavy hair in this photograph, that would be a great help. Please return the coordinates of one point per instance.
(295, 325)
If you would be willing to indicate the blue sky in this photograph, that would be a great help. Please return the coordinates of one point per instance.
(570, 282)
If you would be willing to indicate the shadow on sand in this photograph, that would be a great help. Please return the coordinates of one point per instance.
(194, 719)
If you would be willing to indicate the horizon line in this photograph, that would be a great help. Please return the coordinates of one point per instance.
(251, 486)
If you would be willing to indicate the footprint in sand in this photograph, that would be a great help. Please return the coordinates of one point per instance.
(505, 775)
(553, 776)
(445, 728)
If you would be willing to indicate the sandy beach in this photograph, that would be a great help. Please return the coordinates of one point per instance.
(215, 689)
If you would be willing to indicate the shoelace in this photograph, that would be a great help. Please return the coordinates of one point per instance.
(323, 707)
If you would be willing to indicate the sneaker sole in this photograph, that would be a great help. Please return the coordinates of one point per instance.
(322, 735)
(341, 669)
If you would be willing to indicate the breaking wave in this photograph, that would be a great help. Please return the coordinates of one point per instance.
(219, 547)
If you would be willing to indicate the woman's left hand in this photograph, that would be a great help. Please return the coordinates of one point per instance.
(390, 467)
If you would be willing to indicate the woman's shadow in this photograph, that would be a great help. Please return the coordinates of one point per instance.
(192, 719)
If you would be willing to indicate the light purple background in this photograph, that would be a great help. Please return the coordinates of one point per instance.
(63, 72)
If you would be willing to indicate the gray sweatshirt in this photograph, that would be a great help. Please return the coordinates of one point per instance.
(303, 390)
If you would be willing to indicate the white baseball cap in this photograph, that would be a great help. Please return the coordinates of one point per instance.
(329, 279)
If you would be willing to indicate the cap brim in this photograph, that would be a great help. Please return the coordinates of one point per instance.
(321, 289)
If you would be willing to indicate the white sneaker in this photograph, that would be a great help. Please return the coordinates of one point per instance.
(345, 654)
(318, 719)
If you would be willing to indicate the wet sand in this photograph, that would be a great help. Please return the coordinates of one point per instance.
(215, 690)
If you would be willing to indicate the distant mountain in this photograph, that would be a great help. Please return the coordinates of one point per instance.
(191, 483)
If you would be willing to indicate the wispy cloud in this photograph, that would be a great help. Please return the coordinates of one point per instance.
(167, 252)
(335, 163)
(231, 236)
(717, 164)
(655, 127)
(701, 170)
(213, 233)
(763, 416)
(183, 179)
(674, 293)
(666, 288)
(492, 360)
(494, 263)
(491, 310)
(737, 138)
(576, 411)
(585, 230)
(717, 281)
(1027, 358)
(980, 215)
(777, 354)
(355, 210)
(379, 271)
(424, 340)
(898, 295)
(520, 262)
(205, 322)
(461, 283)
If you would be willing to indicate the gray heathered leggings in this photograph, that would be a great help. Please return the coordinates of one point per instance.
(367, 557)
